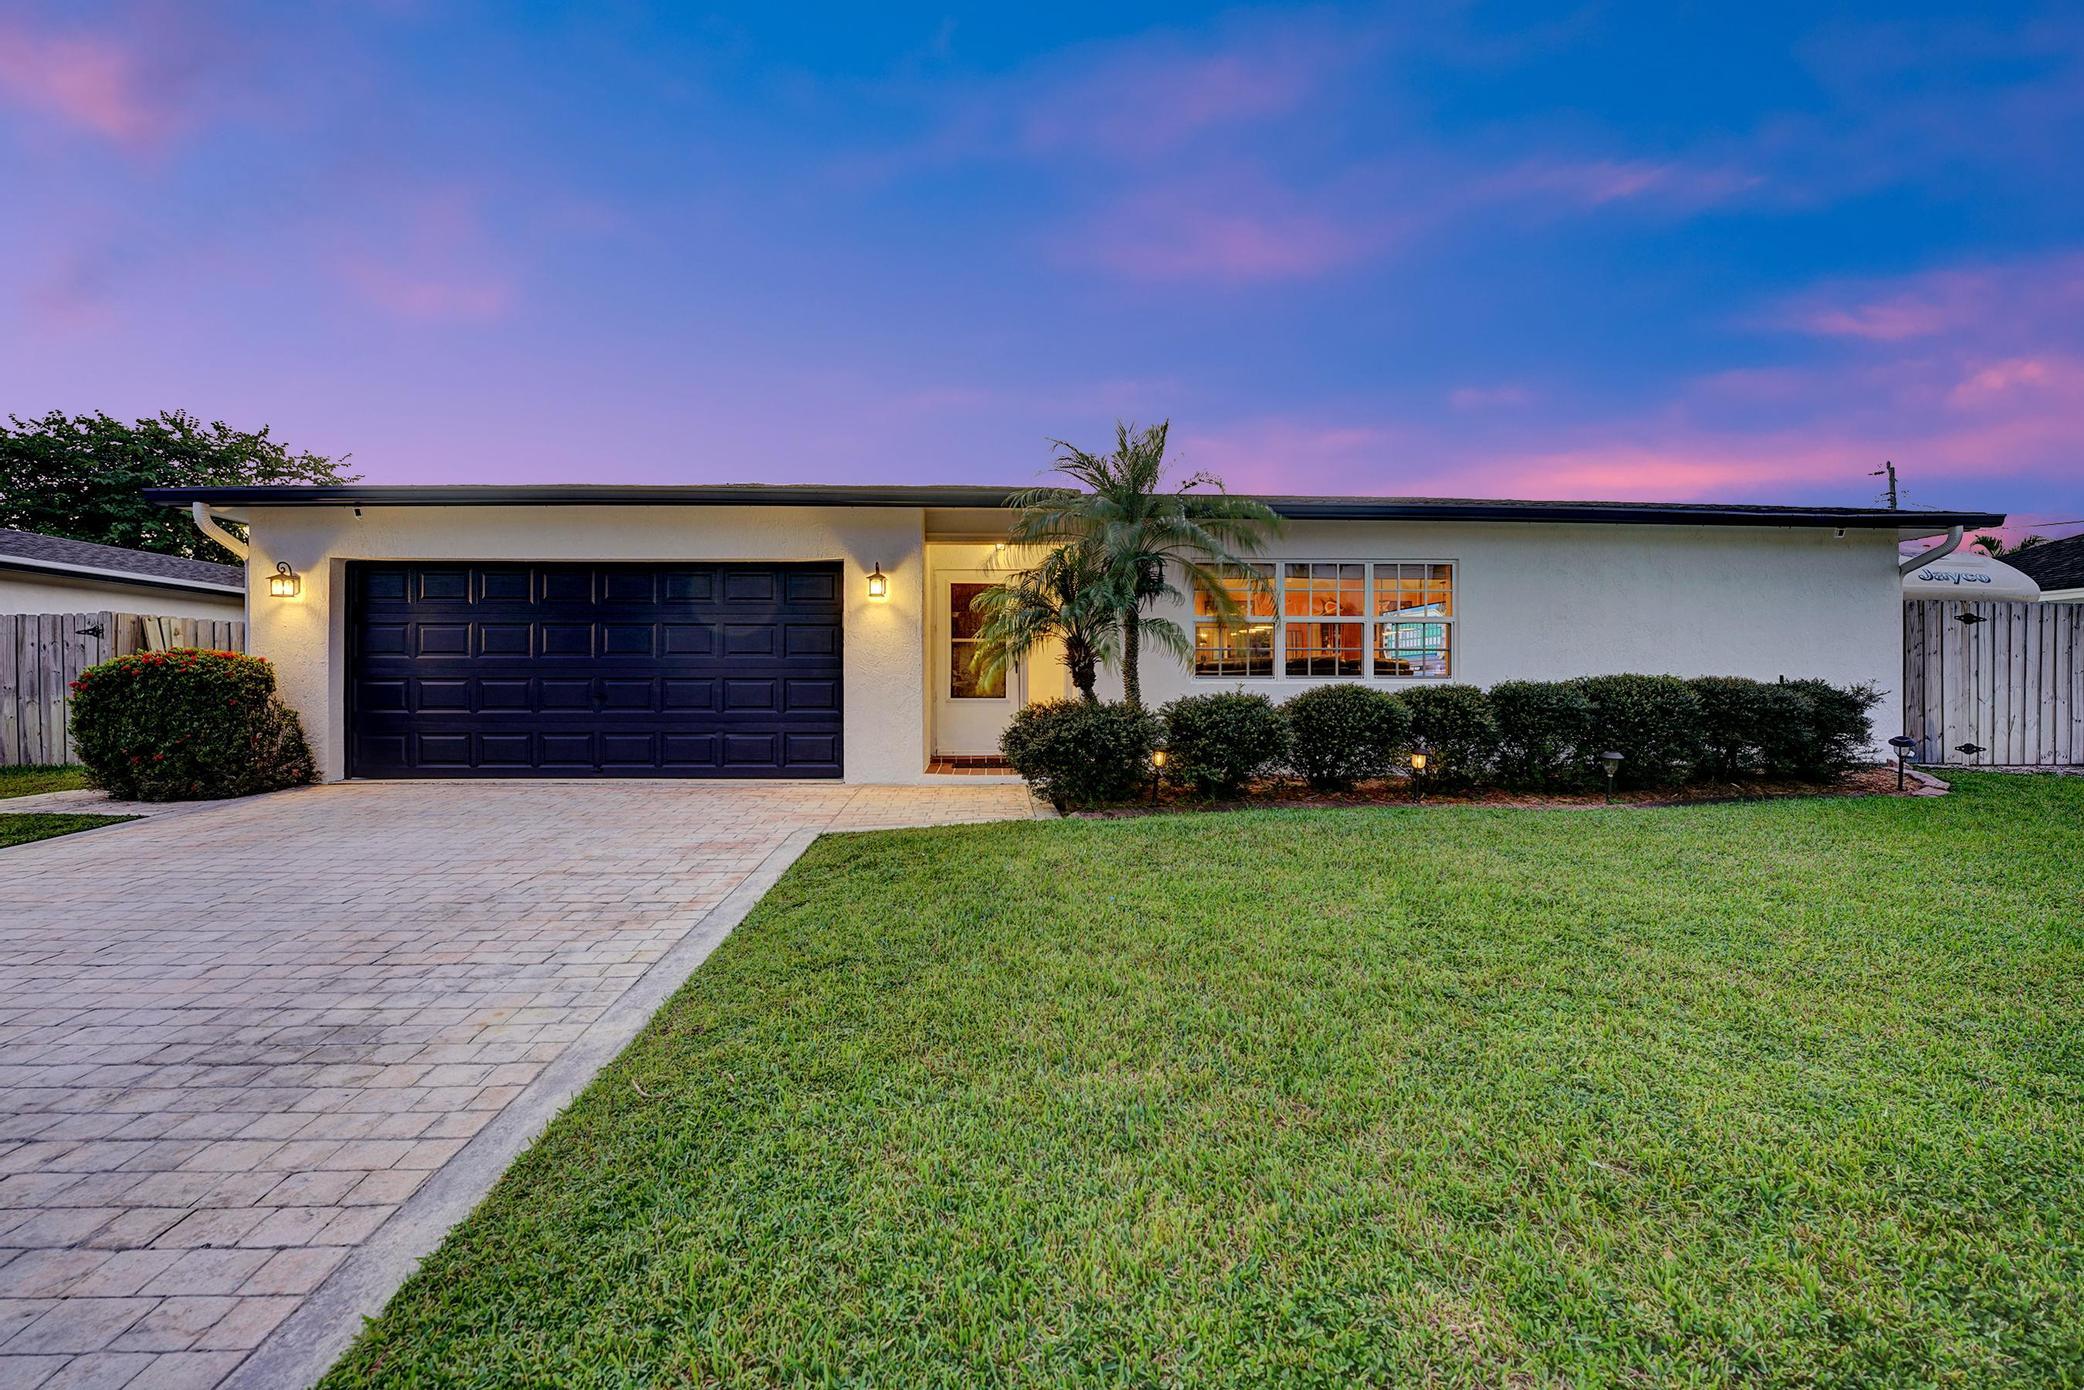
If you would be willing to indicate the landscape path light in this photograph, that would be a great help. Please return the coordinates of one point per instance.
(1612, 762)
(1902, 743)
(1420, 760)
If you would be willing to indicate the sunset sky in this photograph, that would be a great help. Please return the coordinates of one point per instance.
(1732, 252)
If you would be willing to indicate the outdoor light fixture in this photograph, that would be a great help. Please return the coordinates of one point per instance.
(878, 582)
(284, 582)
(1902, 743)
(1419, 759)
(1613, 765)
(1158, 759)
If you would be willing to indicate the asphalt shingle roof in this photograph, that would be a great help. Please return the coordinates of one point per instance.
(29, 545)
(2056, 565)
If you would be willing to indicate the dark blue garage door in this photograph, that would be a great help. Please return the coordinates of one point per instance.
(461, 670)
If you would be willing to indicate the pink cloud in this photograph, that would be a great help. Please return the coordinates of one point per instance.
(1148, 99)
(2002, 381)
(1596, 183)
(414, 294)
(1488, 397)
(434, 260)
(1979, 300)
(1232, 232)
(86, 81)
(1288, 455)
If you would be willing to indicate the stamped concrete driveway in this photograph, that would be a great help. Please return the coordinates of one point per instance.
(256, 1058)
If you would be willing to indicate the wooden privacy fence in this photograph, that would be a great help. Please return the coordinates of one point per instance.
(1995, 684)
(42, 653)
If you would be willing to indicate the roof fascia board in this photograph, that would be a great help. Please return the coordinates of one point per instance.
(1293, 508)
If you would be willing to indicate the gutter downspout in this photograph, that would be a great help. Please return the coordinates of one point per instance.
(1937, 552)
(211, 527)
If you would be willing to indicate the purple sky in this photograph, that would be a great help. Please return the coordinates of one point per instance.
(1740, 253)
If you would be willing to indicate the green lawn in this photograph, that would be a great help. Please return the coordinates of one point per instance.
(1787, 1093)
(28, 781)
(21, 828)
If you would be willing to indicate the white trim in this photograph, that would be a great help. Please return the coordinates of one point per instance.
(1367, 621)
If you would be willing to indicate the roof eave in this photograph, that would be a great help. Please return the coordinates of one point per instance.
(102, 575)
(1908, 524)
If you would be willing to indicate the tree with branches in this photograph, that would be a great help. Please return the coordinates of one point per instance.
(83, 476)
(1137, 530)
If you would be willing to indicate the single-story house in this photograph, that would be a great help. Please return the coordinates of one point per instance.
(823, 631)
(2057, 566)
(51, 574)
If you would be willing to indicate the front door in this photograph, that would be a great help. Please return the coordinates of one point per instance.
(969, 712)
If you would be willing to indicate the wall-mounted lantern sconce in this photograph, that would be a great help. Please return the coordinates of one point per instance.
(283, 583)
(878, 582)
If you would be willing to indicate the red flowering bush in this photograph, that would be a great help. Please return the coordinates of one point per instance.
(187, 725)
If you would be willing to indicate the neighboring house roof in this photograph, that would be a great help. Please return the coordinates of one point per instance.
(1907, 523)
(27, 550)
(2055, 566)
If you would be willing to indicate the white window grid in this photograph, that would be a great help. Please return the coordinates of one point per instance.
(1414, 630)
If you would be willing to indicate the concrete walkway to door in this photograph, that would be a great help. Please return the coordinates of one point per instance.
(256, 1057)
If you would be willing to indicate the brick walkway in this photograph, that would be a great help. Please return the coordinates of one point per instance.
(235, 1041)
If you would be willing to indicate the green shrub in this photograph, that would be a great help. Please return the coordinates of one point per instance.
(1214, 744)
(1808, 729)
(1455, 726)
(186, 724)
(1653, 722)
(1340, 734)
(1738, 717)
(1827, 731)
(1543, 727)
(1077, 753)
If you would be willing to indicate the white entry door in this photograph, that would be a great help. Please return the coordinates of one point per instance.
(969, 714)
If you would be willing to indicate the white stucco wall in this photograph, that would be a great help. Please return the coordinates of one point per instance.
(27, 591)
(1538, 601)
(883, 698)
(1533, 600)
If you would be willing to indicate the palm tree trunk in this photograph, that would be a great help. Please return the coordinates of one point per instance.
(1084, 669)
(1132, 683)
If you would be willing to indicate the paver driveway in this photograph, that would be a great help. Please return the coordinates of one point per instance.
(256, 1057)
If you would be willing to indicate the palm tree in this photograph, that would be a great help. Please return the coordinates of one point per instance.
(1136, 528)
(1065, 596)
(1993, 545)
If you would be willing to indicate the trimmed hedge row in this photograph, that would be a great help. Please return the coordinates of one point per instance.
(1533, 735)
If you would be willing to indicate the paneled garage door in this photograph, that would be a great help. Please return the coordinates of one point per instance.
(594, 670)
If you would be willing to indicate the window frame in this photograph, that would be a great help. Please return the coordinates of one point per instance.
(1272, 619)
(1368, 622)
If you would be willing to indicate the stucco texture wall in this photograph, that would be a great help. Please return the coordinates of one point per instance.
(1538, 601)
(22, 591)
(883, 699)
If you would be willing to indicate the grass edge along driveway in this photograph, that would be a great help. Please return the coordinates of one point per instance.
(31, 780)
(1777, 1094)
(26, 827)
